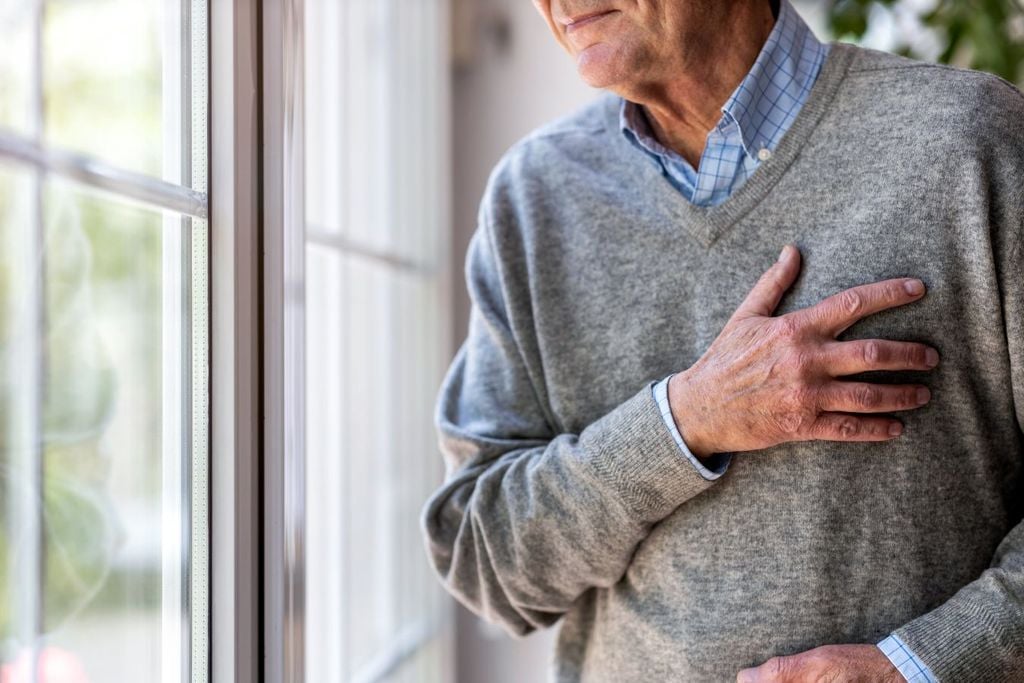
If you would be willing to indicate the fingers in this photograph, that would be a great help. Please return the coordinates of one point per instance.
(842, 427)
(866, 355)
(863, 397)
(836, 313)
(765, 296)
(860, 662)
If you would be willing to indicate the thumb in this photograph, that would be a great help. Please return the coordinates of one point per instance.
(775, 670)
(764, 298)
(748, 676)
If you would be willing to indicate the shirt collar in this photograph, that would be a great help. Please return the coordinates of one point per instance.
(779, 74)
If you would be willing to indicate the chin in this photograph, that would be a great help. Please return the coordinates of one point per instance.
(602, 66)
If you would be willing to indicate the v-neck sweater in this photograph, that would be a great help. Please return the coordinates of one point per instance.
(566, 499)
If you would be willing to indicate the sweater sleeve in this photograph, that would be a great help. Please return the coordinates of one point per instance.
(529, 518)
(978, 634)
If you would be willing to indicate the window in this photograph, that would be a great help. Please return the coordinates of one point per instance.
(376, 245)
(103, 341)
(295, 379)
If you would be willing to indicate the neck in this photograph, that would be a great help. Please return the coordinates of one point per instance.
(684, 107)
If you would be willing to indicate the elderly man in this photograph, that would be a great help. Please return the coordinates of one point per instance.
(701, 475)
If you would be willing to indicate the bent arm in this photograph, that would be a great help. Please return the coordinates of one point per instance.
(529, 519)
(978, 634)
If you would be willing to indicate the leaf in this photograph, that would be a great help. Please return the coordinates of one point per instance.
(983, 27)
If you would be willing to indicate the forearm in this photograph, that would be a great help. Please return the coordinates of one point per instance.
(978, 634)
(520, 536)
(711, 467)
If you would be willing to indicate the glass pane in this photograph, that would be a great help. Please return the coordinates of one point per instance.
(20, 410)
(113, 82)
(417, 359)
(369, 495)
(374, 353)
(114, 485)
(16, 69)
(365, 177)
(326, 117)
(327, 396)
(376, 208)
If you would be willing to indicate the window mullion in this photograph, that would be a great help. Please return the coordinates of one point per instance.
(284, 371)
(235, 461)
(28, 454)
(23, 422)
(196, 64)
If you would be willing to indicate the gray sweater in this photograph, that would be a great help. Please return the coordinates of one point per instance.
(591, 278)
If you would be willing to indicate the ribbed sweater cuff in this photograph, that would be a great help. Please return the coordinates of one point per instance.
(967, 640)
(637, 459)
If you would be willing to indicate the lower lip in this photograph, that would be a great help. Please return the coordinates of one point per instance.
(586, 22)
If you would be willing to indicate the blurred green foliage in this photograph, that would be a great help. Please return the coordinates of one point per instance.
(987, 35)
(101, 412)
(81, 531)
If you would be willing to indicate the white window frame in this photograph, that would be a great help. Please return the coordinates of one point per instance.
(284, 243)
(256, 171)
(257, 366)
(236, 402)
(284, 349)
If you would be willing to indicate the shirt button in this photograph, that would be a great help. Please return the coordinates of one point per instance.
(765, 154)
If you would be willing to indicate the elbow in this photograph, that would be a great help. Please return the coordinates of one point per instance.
(468, 577)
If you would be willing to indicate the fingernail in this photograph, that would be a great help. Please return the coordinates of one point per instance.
(923, 396)
(783, 254)
(895, 429)
(914, 287)
(931, 358)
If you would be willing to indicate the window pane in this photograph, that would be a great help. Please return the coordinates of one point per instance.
(379, 159)
(327, 470)
(375, 359)
(20, 372)
(114, 477)
(16, 49)
(417, 359)
(370, 494)
(376, 206)
(104, 82)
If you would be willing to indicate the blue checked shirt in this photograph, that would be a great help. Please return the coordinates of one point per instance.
(754, 119)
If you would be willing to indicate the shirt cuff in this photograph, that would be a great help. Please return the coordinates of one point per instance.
(713, 467)
(905, 661)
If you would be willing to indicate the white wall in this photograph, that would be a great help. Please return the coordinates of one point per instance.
(507, 92)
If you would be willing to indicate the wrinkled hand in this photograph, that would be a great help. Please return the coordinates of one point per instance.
(831, 663)
(769, 380)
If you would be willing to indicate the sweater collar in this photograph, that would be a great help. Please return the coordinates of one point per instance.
(706, 224)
